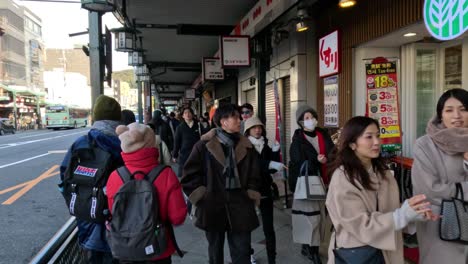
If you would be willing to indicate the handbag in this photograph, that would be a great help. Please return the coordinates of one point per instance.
(359, 255)
(453, 226)
(309, 187)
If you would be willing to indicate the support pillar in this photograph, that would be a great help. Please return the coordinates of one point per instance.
(96, 57)
(140, 103)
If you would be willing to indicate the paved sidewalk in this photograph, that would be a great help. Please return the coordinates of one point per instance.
(192, 241)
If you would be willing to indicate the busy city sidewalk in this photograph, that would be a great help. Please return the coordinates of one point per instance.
(193, 243)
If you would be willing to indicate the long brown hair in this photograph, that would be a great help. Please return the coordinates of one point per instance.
(345, 156)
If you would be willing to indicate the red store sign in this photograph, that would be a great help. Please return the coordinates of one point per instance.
(329, 63)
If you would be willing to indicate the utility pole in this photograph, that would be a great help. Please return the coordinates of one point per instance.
(95, 55)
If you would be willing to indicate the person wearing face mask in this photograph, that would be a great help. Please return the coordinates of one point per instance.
(312, 144)
(441, 161)
(269, 163)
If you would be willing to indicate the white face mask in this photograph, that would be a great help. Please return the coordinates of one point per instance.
(310, 124)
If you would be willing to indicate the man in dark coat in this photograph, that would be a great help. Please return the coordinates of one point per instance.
(222, 179)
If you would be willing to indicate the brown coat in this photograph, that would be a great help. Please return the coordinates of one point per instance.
(434, 174)
(356, 221)
(204, 183)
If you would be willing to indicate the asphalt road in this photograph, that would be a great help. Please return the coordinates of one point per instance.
(31, 207)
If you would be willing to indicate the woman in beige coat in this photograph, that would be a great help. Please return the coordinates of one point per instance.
(440, 161)
(363, 200)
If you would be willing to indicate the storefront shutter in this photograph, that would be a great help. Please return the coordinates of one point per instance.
(251, 98)
(270, 113)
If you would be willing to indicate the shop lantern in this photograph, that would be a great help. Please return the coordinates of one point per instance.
(143, 78)
(135, 58)
(124, 39)
(98, 5)
(142, 70)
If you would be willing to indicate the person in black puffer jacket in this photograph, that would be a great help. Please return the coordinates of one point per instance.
(269, 163)
(162, 129)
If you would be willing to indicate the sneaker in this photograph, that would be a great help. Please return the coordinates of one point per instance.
(252, 259)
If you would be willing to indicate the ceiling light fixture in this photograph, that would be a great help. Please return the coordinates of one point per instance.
(301, 25)
(98, 5)
(409, 34)
(347, 3)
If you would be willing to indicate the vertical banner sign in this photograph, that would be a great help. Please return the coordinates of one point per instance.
(382, 101)
(330, 91)
(278, 132)
(279, 123)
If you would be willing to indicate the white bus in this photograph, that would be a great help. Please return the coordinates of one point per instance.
(63, 116)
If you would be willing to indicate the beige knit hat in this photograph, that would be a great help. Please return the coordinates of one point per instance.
(251, 122)
(135, 136)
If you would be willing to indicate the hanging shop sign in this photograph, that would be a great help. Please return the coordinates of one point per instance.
(330, 91)
(212, 70)
(190, 94)
(235, 51)
(446, 20)
(329, 63)
(382, 101)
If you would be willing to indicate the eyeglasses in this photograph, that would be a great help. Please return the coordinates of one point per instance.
(245, 112)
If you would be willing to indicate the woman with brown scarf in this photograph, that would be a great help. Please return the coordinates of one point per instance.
(441, 161)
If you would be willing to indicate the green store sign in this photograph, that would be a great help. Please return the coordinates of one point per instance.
(446, 19)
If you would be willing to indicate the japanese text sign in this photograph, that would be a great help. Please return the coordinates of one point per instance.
(212, 69)
(329, 63)
(382, 101)
(330, 96)
(235, 51)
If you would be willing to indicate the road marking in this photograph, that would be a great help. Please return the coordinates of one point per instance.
(28, 185)
(57, 151)
(41, 134)
(9, 145)
(21, 161)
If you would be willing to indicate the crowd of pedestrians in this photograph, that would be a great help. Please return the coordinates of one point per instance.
(224, 183)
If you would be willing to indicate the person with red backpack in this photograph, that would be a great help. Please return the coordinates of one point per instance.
(141, 168)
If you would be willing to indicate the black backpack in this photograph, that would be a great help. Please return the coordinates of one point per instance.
(136, 232)
(84, 182)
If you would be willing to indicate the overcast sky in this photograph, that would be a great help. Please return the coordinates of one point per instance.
(61, 19)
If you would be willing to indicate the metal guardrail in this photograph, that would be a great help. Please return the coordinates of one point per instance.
(63, 247)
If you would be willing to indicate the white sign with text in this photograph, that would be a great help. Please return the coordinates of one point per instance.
(212, 69)
(235, 51)
(329, 63)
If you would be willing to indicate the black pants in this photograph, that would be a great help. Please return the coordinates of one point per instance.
(239, 246)
(266, 209)
(159, 261)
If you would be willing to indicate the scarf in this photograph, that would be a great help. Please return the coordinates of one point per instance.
(310, 133)
(230, 165)
(106, 126)
(257, 143)
(452, 141)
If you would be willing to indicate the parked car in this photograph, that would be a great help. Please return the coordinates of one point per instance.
(6, 126)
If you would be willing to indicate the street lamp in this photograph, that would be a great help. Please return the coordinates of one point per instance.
(98, 5)
(124, 39)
